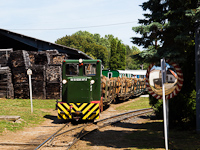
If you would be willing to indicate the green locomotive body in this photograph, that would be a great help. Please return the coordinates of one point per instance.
(81, 90)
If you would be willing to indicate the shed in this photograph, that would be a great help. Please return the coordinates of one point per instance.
(17, 41)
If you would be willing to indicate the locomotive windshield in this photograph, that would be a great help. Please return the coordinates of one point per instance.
(90, 69)
(72, 69)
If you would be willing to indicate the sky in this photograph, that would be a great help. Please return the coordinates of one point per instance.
(50, 20)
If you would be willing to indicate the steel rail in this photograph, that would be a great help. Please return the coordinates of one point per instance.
(63, 133)
(51, 136)
(143, 111)
(19, 144)
(129, 112)
(79, 136)
(66, 132)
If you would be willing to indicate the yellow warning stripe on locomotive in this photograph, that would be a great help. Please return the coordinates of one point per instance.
(85, 111)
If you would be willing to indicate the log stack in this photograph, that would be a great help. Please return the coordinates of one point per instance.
(124, 87)
(108, 89)
(4, 57)
(6, 86)
(38, 81)
(46, 77)
(20, 78)
(54, 75)
(53, 81)
(120, 88)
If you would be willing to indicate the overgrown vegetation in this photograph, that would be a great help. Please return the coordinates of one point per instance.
(168, 32)
(22, 108)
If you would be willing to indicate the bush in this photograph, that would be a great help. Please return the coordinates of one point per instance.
(182, 110)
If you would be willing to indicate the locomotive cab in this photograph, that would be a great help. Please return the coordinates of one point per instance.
(81, 85)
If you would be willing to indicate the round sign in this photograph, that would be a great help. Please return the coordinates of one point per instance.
(174, 78)
(29, 72)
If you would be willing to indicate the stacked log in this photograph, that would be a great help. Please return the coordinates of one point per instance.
(53, 81)
(4, 57)
(37, 65)
(120, 88)
(57, 58)
(142, 84)
(124, 90)
(108, 90)
(38, 81)
(46, 73)
(6, 86)
(20, 79)
(54, 75)
(38, 58)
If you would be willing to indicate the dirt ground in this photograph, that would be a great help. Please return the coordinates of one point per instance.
(109, 138)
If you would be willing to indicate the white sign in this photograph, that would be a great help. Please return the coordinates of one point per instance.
(29, 72)
(78, 79)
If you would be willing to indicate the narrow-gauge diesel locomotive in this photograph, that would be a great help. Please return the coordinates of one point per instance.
(81, 90)
(85, 91)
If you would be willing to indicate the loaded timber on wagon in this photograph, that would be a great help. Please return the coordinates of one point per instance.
(121, 88)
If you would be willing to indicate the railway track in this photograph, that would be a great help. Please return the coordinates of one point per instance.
(74, 134)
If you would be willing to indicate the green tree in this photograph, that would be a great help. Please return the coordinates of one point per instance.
(88, 43)
(151, 35)
(100, 47)
(132, 63)
(113, 64)
(121, 52)
(168, 23)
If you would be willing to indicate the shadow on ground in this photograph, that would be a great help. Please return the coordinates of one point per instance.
(55, 119)
(147, 135)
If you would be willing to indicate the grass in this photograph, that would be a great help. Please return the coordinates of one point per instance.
(22, 108)
(143, 102)
(149, 134)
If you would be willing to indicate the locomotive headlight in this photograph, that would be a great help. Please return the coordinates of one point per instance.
(64, 81)
(92, 82)
(80, 60)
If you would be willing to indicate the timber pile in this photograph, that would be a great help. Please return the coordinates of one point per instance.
(108, 89)
(6, 86)
(46, 77)
(120, 88)
(20, 78)
(37, 58)
(46, 73)
(57, 58)
(38, 82)
(53, 81)
(54, 75)
(4, 57)
(124, 87)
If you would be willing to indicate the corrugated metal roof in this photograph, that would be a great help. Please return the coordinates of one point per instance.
(28, 43)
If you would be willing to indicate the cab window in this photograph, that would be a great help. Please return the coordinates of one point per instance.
(72, 69)
(89, 69)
